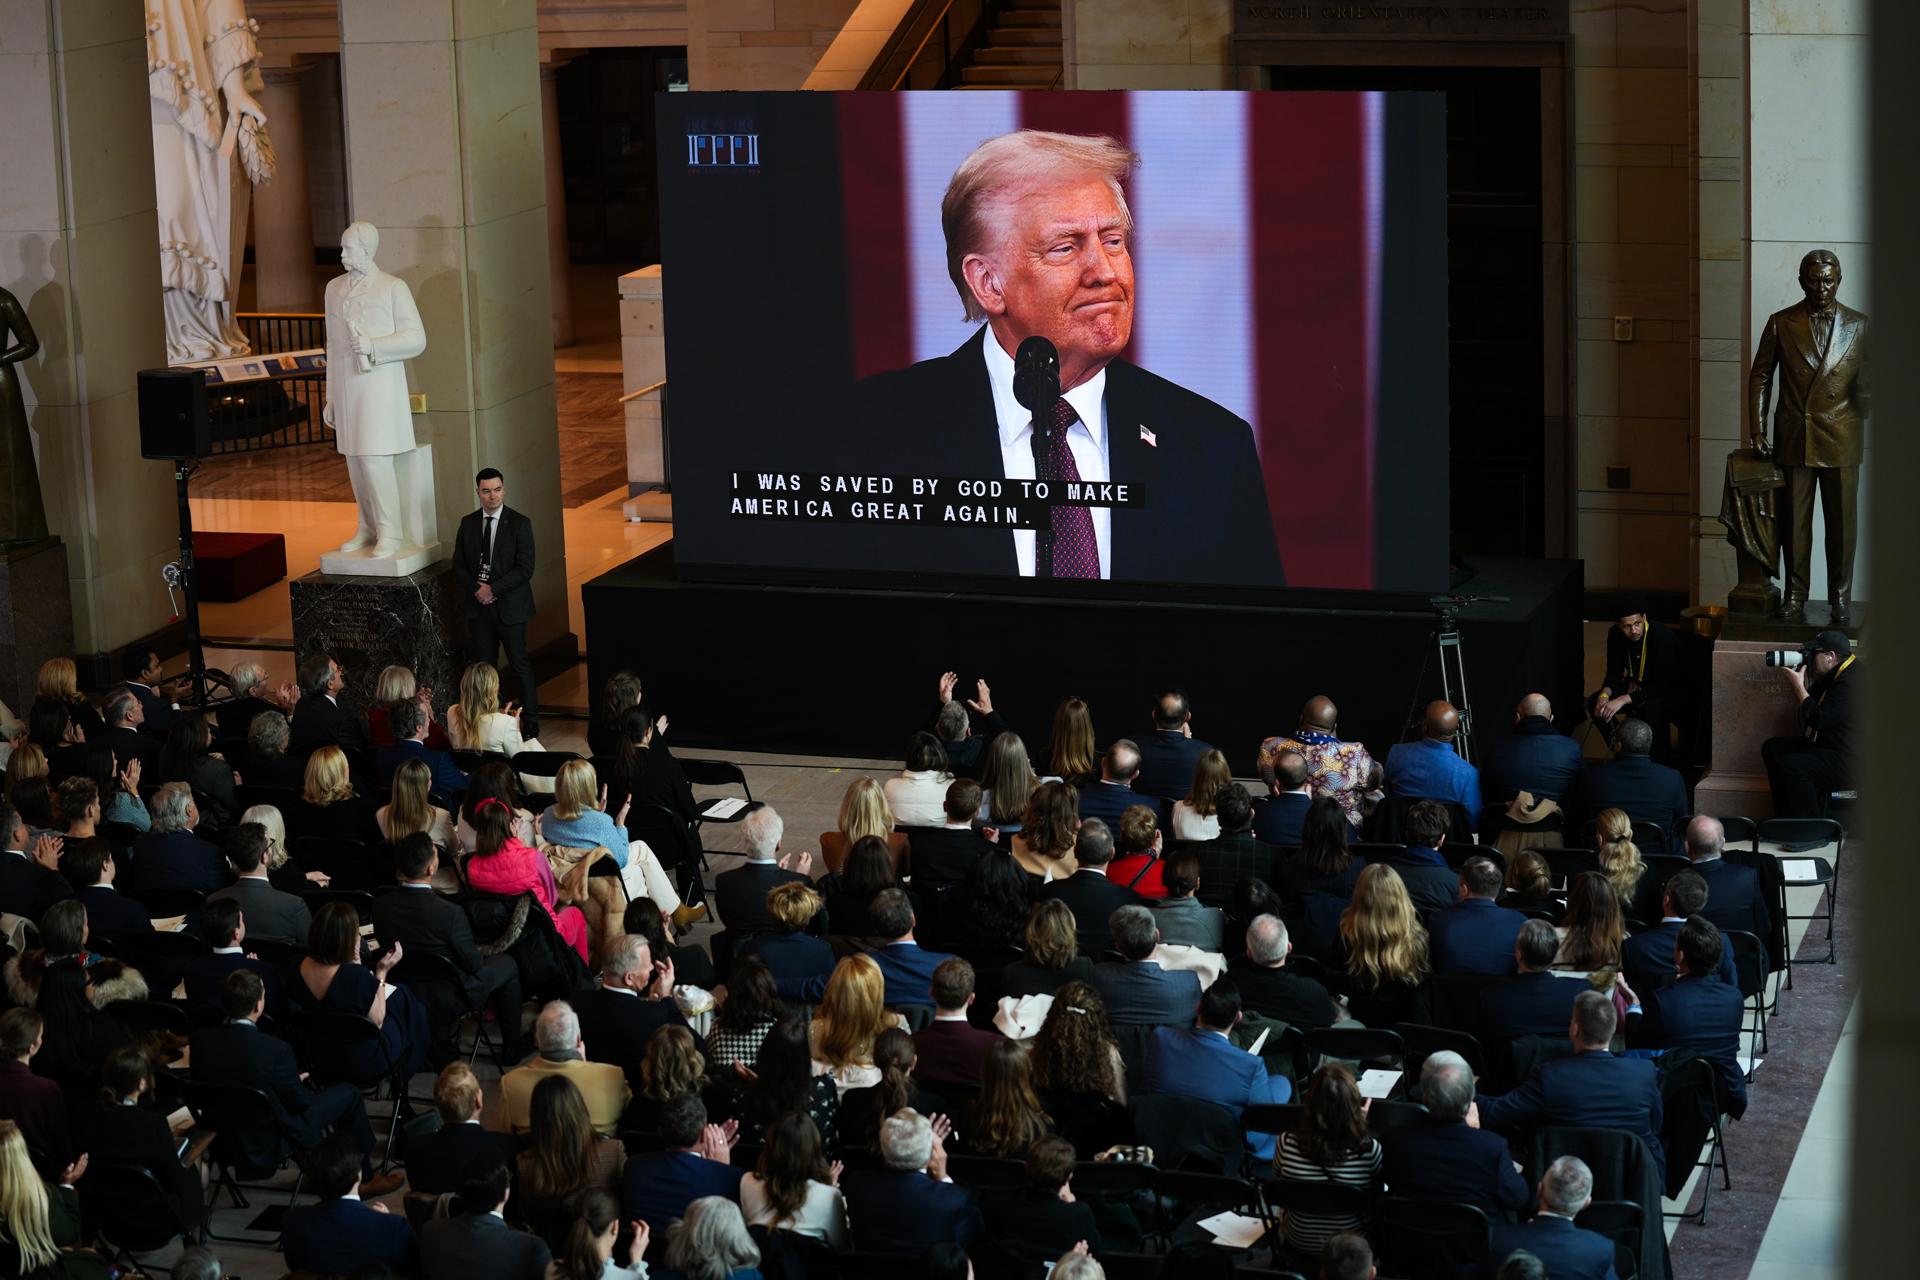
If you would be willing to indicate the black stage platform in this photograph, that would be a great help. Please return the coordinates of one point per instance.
(836, 671)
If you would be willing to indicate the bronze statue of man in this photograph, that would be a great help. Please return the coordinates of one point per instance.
(1819, 422)
(22, 516)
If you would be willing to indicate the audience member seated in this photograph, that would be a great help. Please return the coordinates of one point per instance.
(411, 809)
(850, 892)
(1446, 1158)
(267, 763)
(171, 856)
(659, 1185)
(1590, 1089)
(904, 963)
(1070, 746)
(343, 1233)
(409, 727)
(741, 894)
(621, 691)
(1476, 934)
(324, 716)
(954, 1049)
(1007, 784)
(43, 1235)
(562, 1052)
(1648, 791)
(710, 1242)
(477, 722)
(123, 1123)
(126, 721)
(941, 855)
(1535, 758)
(1078, 1073)
(1620, 858)
(91, 869)
(1007, 1117)
(1340, 771)
(328, 805)
(1530, 886)
(564, 1156)
(478, 1244)
(577, 819)
(644, 780)
(225, 927)
(862, 1110)
(1270, 989)
(1193, 814)
(334, 978)
(30, 791)
(1433, 768)
(909, 1204)
(850, 1013)
(1735, 900)
(1329, 1144)
(1431, 883)
(1088, 891)
(1112, 793)
(238, 1052)
(1135, 989)
(1182, 919)
(1201, 1061)
(504, 864)
(30, 1100)
(252, 697)
(1052, 957)
(493, 780)
(271, 914)
(1565, 1251)
(670, 1065)
(78, 1037)
(1348, 1256)
(783, 1081)
(1318, 880)
(1277, 817)
(966, 750)
(1534, 1001)
(426, 924)
(189, 757)
(1169, 754)
(793, 1188)
(918, 795)
(797, 960)
(117, 784)
(1697, 1015)
(1592, 930)
(50, 727)
(1043, 1215)
(77, 801)
(634, 999)
(1137, 841)
(993, 903)
(1386, 951)
(1647, 958)
(1235, 853)
(751, 1008)
(1044, 842)
(437, 1161)
(29, 882)
(691, 963)
(58, 680)
(595, 1229)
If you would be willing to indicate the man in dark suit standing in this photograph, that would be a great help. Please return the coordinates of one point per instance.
(1535, 758)
(1169, 753)
(1735, 899)
(1109, 795)
(1647, 957)
(437, 1161)
(1592, 1088)
(1698, 1014)
(1136, 989)
(125, 713)
(493, 561)
(1476, 935)
(1446, 1158)
(1566, 1251)
(324, 717)
(951, 1050)
(1278, 817)
(1092, 897)
(1633, 782)
(479, 1245)
(741, 894)
(1535, 1001)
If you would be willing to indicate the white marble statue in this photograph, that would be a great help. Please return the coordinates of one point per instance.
(373, 329)
(210, 146)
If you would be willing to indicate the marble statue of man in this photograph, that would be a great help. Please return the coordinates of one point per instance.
(373, 328)
(210, 146)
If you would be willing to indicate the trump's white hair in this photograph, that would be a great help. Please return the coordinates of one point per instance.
(973, 212)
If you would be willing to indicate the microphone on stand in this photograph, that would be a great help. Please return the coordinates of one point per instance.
(1036, 385)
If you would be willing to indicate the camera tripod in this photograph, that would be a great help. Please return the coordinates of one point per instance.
(1447, 646)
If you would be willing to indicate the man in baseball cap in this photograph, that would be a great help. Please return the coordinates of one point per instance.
(1804, 769)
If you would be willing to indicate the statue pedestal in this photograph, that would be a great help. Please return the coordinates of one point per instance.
(1751, 703)
(368, 623)
(418, 527)
(36, 616)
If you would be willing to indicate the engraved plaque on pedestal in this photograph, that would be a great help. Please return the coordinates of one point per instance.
(368, 623)
(1751, 703)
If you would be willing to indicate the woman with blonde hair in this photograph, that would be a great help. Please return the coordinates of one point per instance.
(1594, 927)
(27, 761)
(479, 723)
(1044, 840)
(1386, 949)
(1074, 759)
(564, 1155)
(851, 1013)
(328, 805)
(577, 819)
(864, 811)
(59, 681)
(40, 1227)
(412, 808)
(1619, 856)
(396, 684)
(282, 870)
(1195, 818)
(1007, 782)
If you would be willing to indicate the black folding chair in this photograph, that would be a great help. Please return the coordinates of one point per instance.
(163, 903)
(348, 864)
(1358, 1044)
(230, 1111)
(1750, 971)
(146, 1017)
(672, 843)
(1272, 1117)
(1457, 855)
(1565, 864)
(1424, 1041)
(1620, 1221)
(987, 1173)
(131, 1212)
(541, 764)
(1824, 874)
(1185, 1194)
(1430, 1238)
(1737, 829)
(1701, 1075)
(1185, 1132)
(1384, 1116)
(420, 972)
(717, 773)
(325, 1036)
(359, 899)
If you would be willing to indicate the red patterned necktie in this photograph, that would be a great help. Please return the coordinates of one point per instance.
(1075, 553)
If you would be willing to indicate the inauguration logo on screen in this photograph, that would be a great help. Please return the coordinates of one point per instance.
(1098, 337)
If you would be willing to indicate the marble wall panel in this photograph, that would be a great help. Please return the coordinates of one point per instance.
(1809, 128)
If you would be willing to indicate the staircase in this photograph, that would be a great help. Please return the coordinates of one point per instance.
(1021, 49)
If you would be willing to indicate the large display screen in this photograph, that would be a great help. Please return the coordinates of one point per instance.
(1241, 298)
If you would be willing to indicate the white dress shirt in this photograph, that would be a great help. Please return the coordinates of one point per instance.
(1087, 438)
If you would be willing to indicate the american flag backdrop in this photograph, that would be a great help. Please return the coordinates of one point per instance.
(1257, 250)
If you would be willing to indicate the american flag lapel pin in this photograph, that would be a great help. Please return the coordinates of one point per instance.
(1153, 441)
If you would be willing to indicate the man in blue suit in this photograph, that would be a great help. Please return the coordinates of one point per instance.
(1591, 1089)
(1735, 899)
(1631, 781)
(1433, 768)
(1536, 758)
(1698, 1014)
(1568, 1252)
(1447, 1158)
(409, 743)
(1277, 818)
(341, 1233)
(1475, 935)
(170, 856)
(1202, 1062)
(1647, 958)
(658, 1186)
(911, 1204)
(1169, 753)
(1535, 1001)
(906, 965)
(1137, 990)
(1108, 796)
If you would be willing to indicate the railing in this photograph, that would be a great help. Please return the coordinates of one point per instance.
(277, 412)
(928, 48)
(274, 331)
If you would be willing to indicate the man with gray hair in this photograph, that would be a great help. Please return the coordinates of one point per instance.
(1272, 990)
(1568, 1252)
(1038, 238)
(1450, 1157)
(251, 696)
(171, 856)
(911, 1204)
(741, 894)
(124, 715)
(634, 999)
(1632, 781)
(562, 1052)
(953, 725)
(1734, 896)
(1137, 990)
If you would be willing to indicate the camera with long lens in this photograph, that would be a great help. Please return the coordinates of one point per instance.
(1791, 659)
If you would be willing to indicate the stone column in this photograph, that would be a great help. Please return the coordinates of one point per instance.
(283, 274)
(79, 247)
(441, 100)
(559, 287)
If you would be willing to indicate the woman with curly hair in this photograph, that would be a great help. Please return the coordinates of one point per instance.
(1137, 840)
(994, 901)
(1619, 856)
(1330, 1144)
(1007, 1118)
(1044, 841)
(848, 1017)
(1594, 928)
(673, 1065)
(1077, 1072)
(1386, 949)
(1194, 817)
(793, 1188)
(752, 1007)
(1071, 753)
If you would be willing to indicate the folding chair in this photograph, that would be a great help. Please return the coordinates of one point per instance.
(1750, 970)
(1738, 828)
(1702, 1075)
(1423, 1042)
(1824, 875)
(323, 1036)
(1203, 1194)
(133, 1213)
(1423, 1238)
(1564, 864)
(138, 1017)
(1384, 1116)
(348, 864)
(420, 971)
(1621, 1222)
(987, 1173)
(162, 903)
(1358, 1044)
(1272, 1117)
(717, 773)
(1183, 1131)
(359, 899)
(229, 1111)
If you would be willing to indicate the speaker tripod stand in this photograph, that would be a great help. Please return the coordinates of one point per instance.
(180, 573)
(1446, 647)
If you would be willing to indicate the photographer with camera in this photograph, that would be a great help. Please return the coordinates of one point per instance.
(1803, 770)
